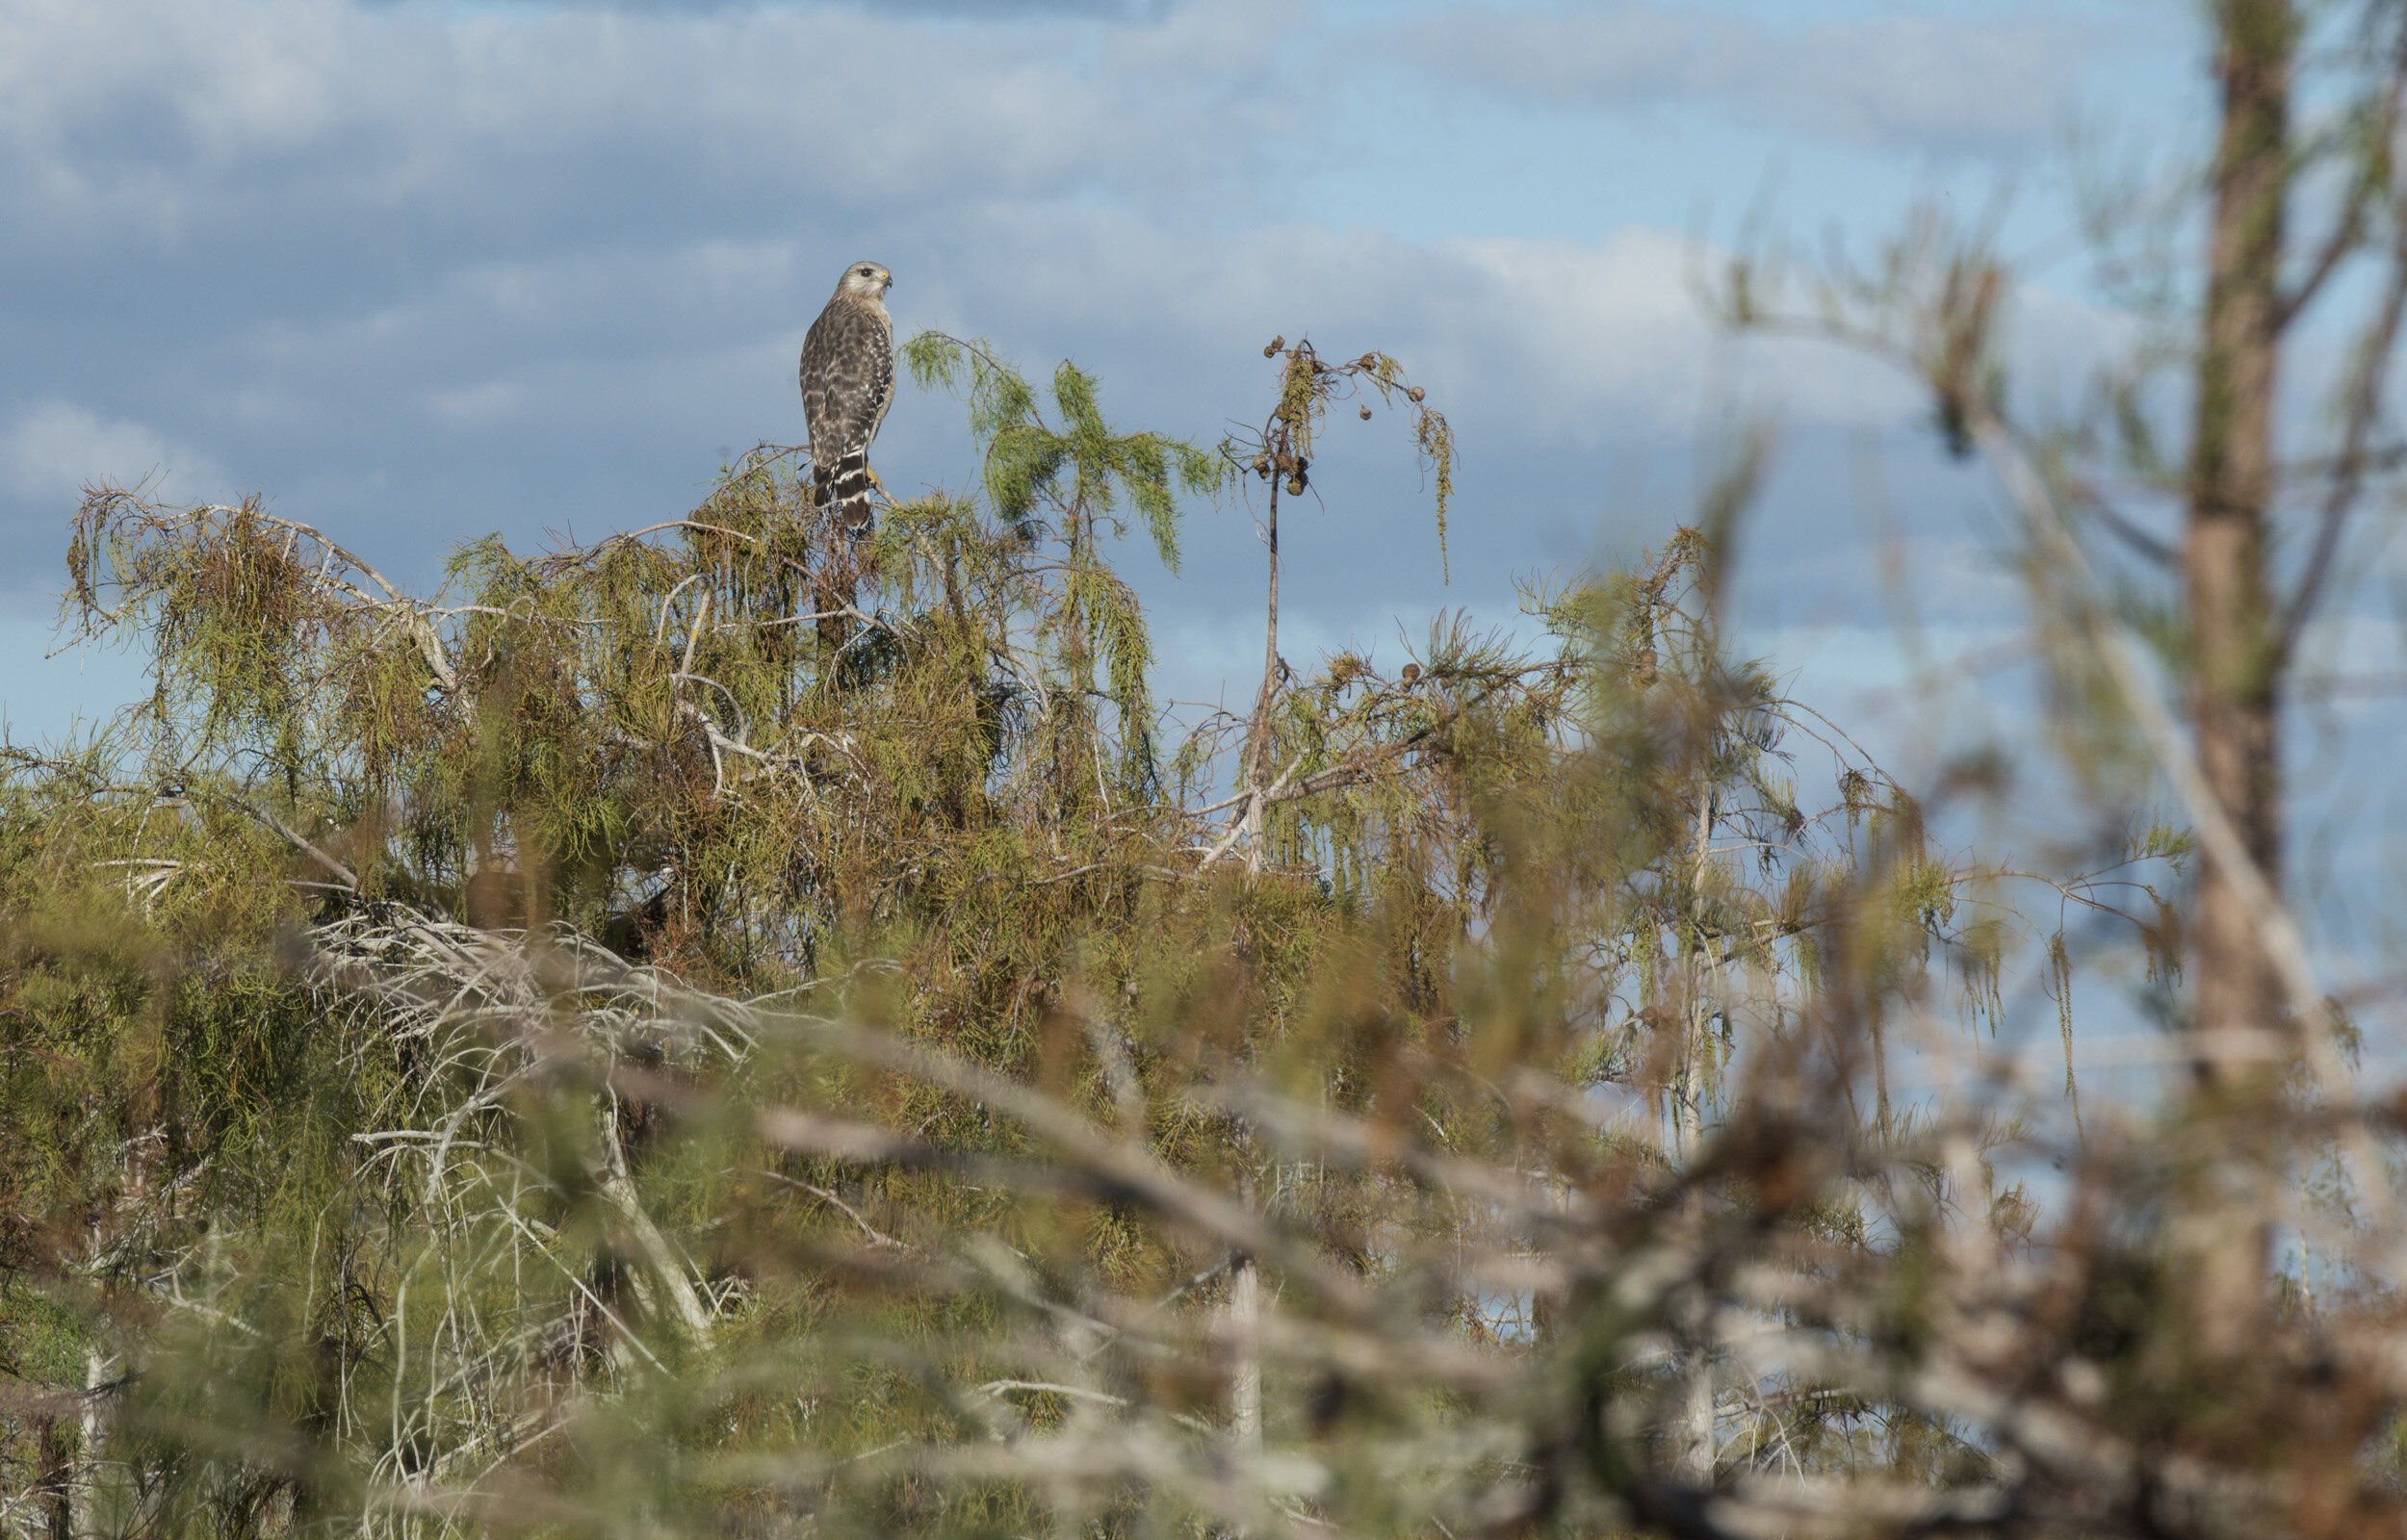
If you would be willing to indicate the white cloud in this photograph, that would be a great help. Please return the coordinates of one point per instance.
(154, 111)
(1569, 341)
(1605, 338)
(487, 405)
(53, 448)
(1917, 81)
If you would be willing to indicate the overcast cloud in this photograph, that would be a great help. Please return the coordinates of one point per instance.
(1912, 83)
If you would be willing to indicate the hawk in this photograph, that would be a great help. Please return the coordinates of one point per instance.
(847, 382)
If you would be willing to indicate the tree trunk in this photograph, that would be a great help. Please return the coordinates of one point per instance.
(2235, 659)
(1245, 1372)
(98, 1371)
(1257, 741)
(1693, 1426)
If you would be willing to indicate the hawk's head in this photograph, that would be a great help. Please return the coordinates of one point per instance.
(868, 280)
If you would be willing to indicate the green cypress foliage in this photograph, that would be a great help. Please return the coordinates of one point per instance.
(719, 1030)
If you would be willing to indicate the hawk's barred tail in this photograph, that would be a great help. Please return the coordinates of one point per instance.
(847, 486)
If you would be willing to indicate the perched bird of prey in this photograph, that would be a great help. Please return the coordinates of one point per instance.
(847, 381)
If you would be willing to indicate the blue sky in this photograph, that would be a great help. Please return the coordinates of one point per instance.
(426, 271)
(422, 271)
